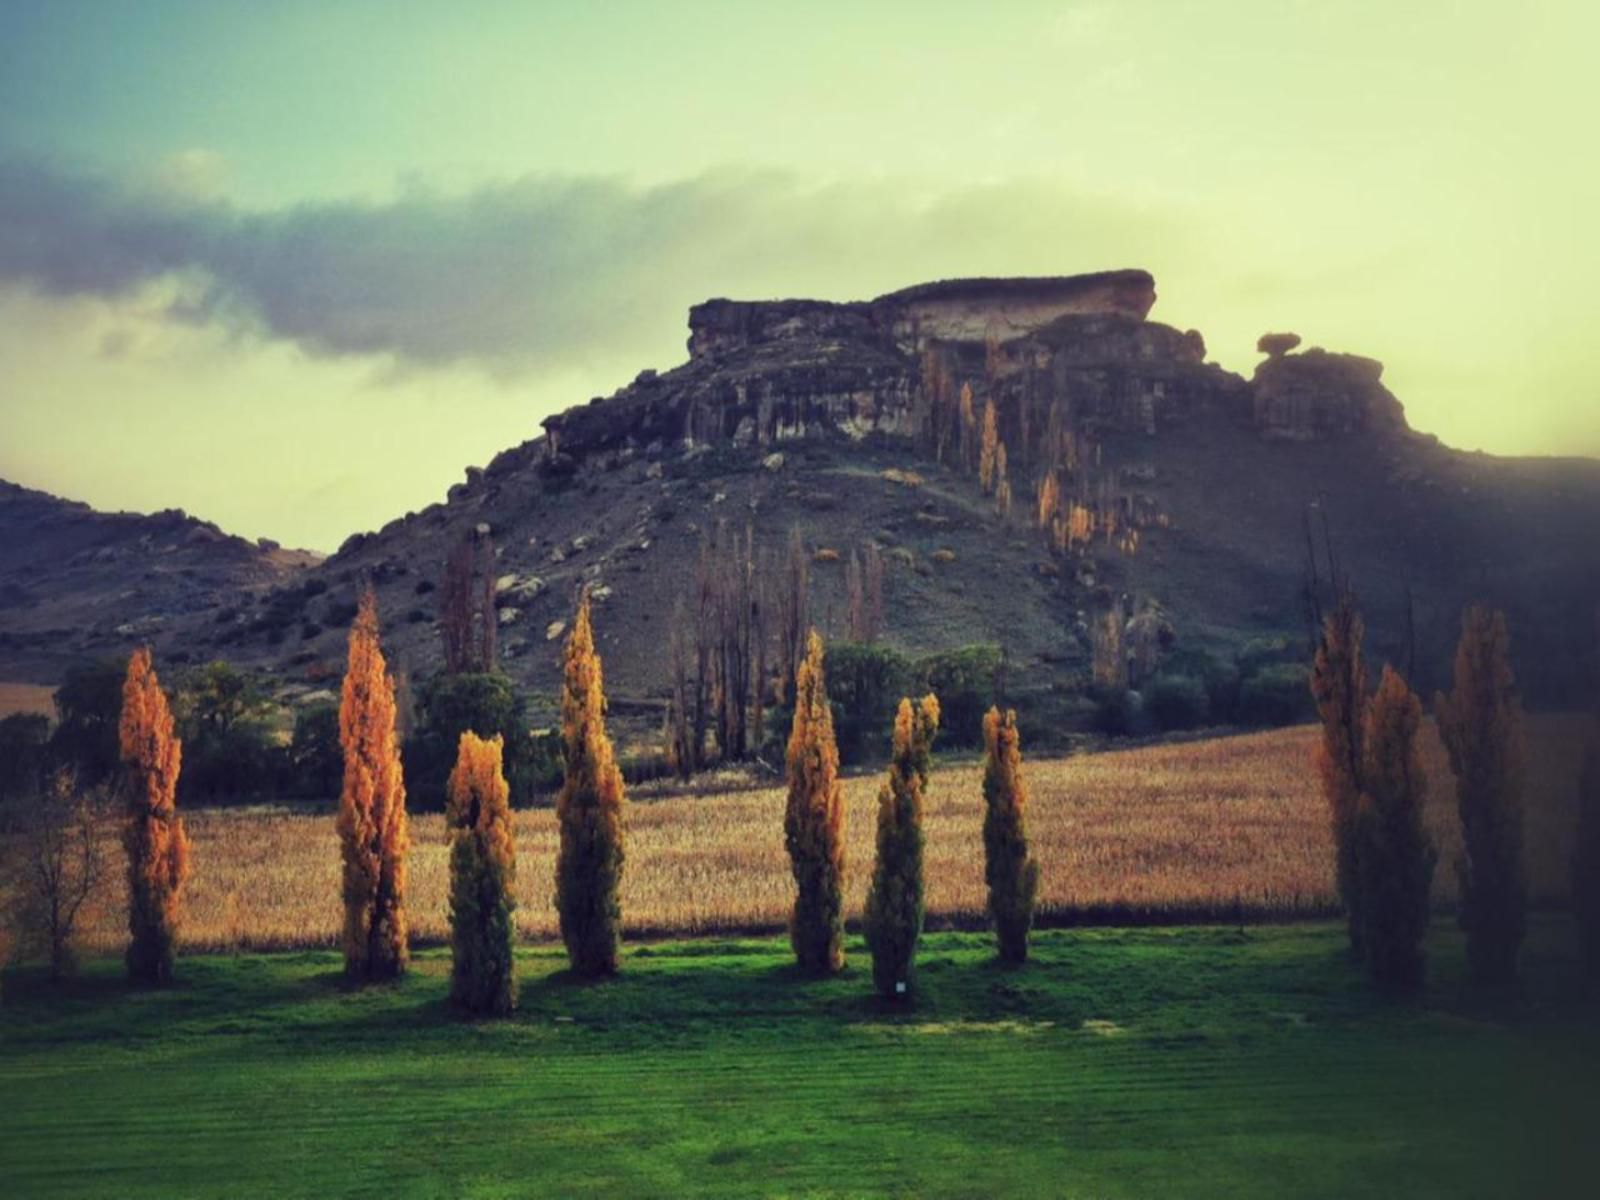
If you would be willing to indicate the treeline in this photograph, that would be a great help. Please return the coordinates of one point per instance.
(1368, 759)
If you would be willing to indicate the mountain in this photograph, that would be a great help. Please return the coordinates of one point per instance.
(1199, 489)
(77, 584)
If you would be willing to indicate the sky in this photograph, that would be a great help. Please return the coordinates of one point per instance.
(294, 266)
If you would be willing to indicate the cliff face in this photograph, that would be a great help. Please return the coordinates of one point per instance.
(1069, 354)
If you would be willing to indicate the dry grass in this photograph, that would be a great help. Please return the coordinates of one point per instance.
(1221, 828)
(27, 698)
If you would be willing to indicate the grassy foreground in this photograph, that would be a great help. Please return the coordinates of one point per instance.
(1152, 1062)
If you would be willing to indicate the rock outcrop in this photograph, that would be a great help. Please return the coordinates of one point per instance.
(1074, 353)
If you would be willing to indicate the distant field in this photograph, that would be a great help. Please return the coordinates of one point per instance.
(1174, 1063)
(26, 697)
(1231, 828)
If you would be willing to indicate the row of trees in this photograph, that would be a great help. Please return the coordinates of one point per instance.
(1370, 765)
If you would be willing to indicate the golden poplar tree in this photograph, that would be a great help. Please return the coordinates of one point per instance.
(372, 827)
(813, 822)
(1394, 858)
(1012, 876)
(158, 848)
(1049, 503)
(1480, 722)
(483, 868)
(988, 446)
(1339, 687)
(589, 812)
(894, 911)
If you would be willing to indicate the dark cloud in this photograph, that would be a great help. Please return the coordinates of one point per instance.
(542, 269)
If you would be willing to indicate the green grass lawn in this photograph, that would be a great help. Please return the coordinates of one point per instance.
(1155, 1062)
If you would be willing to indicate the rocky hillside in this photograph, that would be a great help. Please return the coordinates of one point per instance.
(76, 583)
(1182, 498)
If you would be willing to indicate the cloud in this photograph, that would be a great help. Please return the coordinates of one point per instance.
(539, 271)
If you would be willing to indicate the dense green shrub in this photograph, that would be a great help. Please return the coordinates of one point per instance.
(1176, 702)
(1115, 711)
(864, 682)
(965, 681)
(24, 746)
(486, 703)
(1276, 695)
(316, 761)
(88, 707)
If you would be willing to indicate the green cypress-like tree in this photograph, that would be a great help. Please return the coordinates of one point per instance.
(1339, 686)
(483, 867)
(589, 812)
(894, 910)
(1480, 722)
(1395, 856)
(813, 822)
(1012, 876)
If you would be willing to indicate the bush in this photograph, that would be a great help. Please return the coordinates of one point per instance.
(1115, 710)
(1176, 702)
(316, 761)
(484, 703)
(24, 739)
(1219, 676)
(864, 681)
(964, 680)
(1277, 695)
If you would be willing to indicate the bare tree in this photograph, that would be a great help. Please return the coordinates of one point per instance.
(467, 620)
(60, 867)
(794, 613)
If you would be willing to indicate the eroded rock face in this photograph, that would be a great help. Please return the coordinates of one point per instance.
(1057, 354)
(1302, 397)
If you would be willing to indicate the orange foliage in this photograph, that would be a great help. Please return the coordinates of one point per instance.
(1339, 687)
(1480, 722)
(483, 868)
(158, 848)
(813, 822)
(589, 811)
(372, 825)
(1011, 874)
(988, 447)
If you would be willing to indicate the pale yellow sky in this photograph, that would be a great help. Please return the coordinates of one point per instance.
(293, 270)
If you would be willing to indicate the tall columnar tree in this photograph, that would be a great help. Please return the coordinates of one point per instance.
(813, 822)
(989, 448)
(1395, 856)
(589, 812)
(372, 824)
(483, 867)
(1339, 686)
(893, 918)
(158, 848)
(1012, 876)
(1480, 722)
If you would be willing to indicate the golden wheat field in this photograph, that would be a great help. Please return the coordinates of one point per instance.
(1229, 828)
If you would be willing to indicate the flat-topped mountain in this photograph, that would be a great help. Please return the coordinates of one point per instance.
(1142, 484)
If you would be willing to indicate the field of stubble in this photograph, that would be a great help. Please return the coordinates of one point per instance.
(1230, 828)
